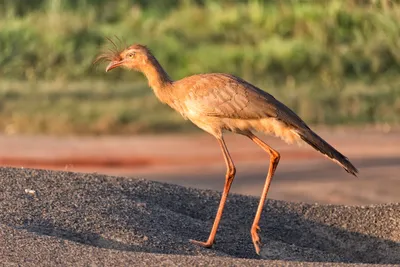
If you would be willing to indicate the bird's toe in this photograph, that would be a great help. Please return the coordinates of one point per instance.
(207, 244)
(256, 238)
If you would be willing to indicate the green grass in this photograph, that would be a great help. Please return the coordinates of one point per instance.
(334, 62)
(87, 107)
(97, 107)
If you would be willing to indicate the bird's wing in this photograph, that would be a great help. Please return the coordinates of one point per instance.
(227, 96)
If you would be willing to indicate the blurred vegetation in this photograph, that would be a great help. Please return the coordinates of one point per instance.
(334, 62)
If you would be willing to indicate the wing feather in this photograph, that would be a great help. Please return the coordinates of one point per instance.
(227, 96)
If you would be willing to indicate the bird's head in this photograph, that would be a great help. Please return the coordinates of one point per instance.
(134, 57)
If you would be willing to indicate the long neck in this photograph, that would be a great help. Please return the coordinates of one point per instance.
(156, 75)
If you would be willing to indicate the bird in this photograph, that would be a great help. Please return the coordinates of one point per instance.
(218, 103)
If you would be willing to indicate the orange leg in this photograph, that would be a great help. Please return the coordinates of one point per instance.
(274, 160)
(230, 175)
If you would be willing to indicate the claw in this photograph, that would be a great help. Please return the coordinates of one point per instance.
(202, 244)
(257, 245)
(256, 239)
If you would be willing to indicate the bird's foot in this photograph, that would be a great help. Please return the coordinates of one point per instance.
(256, 238)
(207, 244)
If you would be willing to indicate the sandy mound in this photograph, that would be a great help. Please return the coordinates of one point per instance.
(78, 219)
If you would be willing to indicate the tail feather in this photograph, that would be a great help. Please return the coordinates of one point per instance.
(322, 146)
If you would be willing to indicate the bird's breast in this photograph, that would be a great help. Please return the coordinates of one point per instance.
(180, 107)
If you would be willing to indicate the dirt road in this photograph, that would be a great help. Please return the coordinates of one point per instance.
(195, 160)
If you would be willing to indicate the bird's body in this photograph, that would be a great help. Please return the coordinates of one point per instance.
(219, 102)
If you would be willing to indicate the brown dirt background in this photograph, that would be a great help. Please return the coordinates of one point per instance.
(195, 160)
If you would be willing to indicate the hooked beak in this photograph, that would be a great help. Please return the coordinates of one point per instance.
(114, 64)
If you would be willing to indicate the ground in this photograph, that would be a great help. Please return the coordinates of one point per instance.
(50, 218)
(58, 218)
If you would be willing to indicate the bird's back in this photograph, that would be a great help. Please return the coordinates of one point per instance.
(225, 96)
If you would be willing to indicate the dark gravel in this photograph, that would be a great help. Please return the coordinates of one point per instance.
(50, 218)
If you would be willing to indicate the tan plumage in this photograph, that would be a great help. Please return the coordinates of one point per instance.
(220, 102)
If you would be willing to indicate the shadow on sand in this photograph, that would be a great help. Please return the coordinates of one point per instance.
(144, 216)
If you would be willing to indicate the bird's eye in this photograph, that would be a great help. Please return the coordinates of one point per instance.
(131, 55)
